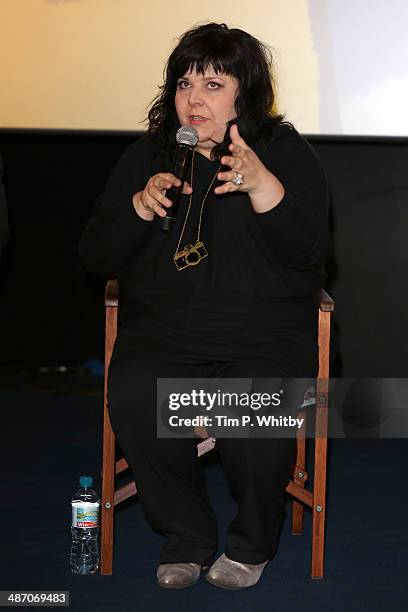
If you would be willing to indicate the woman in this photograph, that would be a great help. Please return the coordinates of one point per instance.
(257, 200)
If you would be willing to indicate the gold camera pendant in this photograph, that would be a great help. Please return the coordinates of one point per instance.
(190, 255)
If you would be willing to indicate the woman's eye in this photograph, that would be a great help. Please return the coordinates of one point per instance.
(182, 84)
(213, 85)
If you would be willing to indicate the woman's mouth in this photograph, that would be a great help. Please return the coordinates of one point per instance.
(197, 119)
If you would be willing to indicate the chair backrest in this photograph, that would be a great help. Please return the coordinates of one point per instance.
(325, 306)
(323, 300)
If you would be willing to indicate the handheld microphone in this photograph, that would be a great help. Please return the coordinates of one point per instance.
(187, 138)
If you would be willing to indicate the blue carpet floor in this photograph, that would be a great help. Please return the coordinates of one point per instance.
(49, 441)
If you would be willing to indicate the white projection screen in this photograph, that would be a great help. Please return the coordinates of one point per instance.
(362, 47)
(341, 65)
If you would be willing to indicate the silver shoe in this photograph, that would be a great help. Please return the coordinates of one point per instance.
(178, 575)
(229, 574)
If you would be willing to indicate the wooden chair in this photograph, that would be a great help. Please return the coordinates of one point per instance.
(314, 498)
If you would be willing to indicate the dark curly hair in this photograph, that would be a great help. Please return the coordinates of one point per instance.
(229, 51)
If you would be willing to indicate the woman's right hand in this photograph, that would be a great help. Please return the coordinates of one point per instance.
(152, 200)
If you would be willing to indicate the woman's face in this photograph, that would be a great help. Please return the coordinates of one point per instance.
(206, 102)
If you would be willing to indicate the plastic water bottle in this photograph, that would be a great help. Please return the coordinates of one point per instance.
(85, 528)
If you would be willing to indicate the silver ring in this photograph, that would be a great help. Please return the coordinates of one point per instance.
(238, 180)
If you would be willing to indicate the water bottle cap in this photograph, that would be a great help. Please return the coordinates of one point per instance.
(86, 481)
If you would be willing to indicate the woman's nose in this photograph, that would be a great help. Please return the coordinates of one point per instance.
(195, 97)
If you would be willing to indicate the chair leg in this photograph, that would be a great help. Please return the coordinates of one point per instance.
(319, 491)
(107, 502)
(108, 445)
(297, 507)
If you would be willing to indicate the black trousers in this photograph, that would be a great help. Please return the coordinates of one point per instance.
(171, 486)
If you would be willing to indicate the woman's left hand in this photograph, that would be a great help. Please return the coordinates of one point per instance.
(263, 188)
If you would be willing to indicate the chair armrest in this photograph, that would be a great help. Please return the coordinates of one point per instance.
(324, 301)
(112, 293)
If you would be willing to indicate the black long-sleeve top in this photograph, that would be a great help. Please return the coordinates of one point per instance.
(262, 271)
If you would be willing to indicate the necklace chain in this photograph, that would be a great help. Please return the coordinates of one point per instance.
(189, 206)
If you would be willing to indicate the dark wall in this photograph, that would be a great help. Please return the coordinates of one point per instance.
(52, 307)
(369, 186)
(52, 311)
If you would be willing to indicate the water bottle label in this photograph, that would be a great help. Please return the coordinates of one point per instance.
(85, 515)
